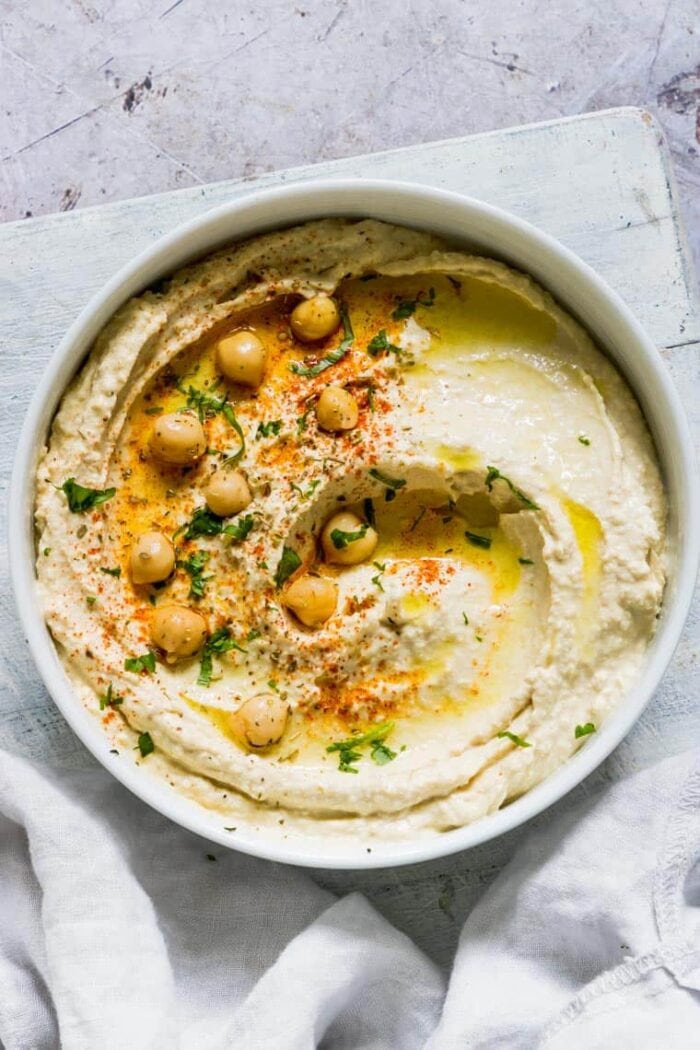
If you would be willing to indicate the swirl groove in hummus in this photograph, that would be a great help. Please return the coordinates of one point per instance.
(501, 460)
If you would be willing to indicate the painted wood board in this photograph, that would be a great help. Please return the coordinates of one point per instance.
(601, 183)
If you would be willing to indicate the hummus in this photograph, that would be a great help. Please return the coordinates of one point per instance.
(509, 529)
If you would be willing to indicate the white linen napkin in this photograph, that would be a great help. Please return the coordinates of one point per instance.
(120, 931)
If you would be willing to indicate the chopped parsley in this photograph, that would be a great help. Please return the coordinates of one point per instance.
(584, 730)
(146, 663)
(253, 633)
(493, 474)
(81, 499)
(466, 619)
(330, 358)
(207, 406)
(266, 430)
(377, 580)
(218, 643)
(478, 541)
(239, 529)
(202, 402)
(110, 698)
(368, 506)
(584, 440)
(146, 745)
(380, 343)
(91, 599)
(46, 551)
(204, 522)
(392, 484)
(407, 307)
(288, 564)
(111, 572)
(348, 752)
(303, 421)
(155, 411)
(341, 539)
(194, 567)
(518, 740)
(526, 561)
(313, 485)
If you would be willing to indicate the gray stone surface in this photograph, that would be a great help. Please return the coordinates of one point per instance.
(107, 99)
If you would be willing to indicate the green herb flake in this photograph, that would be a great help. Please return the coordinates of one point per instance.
(407, 307)
(368, 507)
(46, 551)
(348, 752)
(303, 421)
(218, 643)
(137, 664)
(241, 528)
(392, 484)
(377, 580)
(269, 429)
(81, 499)
(253, 633)
(526, 561)
(288, 564)
(493, 474)
(204, 522)
(478, 541)
(111, 572)
(313, 485)
(155, 411)
(584, 440)
(194, 567)
(518, 740)
(207, 406)
(110, 698)
(381, 344)
(584, 730)
(273, 684)
(342, 539)
(466, 619)
(146, 745)
(330, 358)
(90, 599)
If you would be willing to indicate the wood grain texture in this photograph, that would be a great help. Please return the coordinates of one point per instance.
(605, 191)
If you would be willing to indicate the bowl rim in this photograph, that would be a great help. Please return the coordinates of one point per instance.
(302, 201)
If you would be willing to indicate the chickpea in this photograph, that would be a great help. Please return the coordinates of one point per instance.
(261, 720)
(312, 599)
(315, 318)
(336, 409)
(350, 552)
(227, 492)
(152, 558)
(178, 438)
(241, 358)
(178, 631)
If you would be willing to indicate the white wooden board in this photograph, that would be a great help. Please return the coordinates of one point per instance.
(600, 183)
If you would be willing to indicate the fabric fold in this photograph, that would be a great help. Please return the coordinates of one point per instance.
(119, 929)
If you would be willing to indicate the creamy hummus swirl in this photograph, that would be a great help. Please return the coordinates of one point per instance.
(503, 462)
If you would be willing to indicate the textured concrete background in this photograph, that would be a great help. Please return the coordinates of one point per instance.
(106, 99)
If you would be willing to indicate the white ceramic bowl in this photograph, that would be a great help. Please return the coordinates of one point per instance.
(468, 223)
